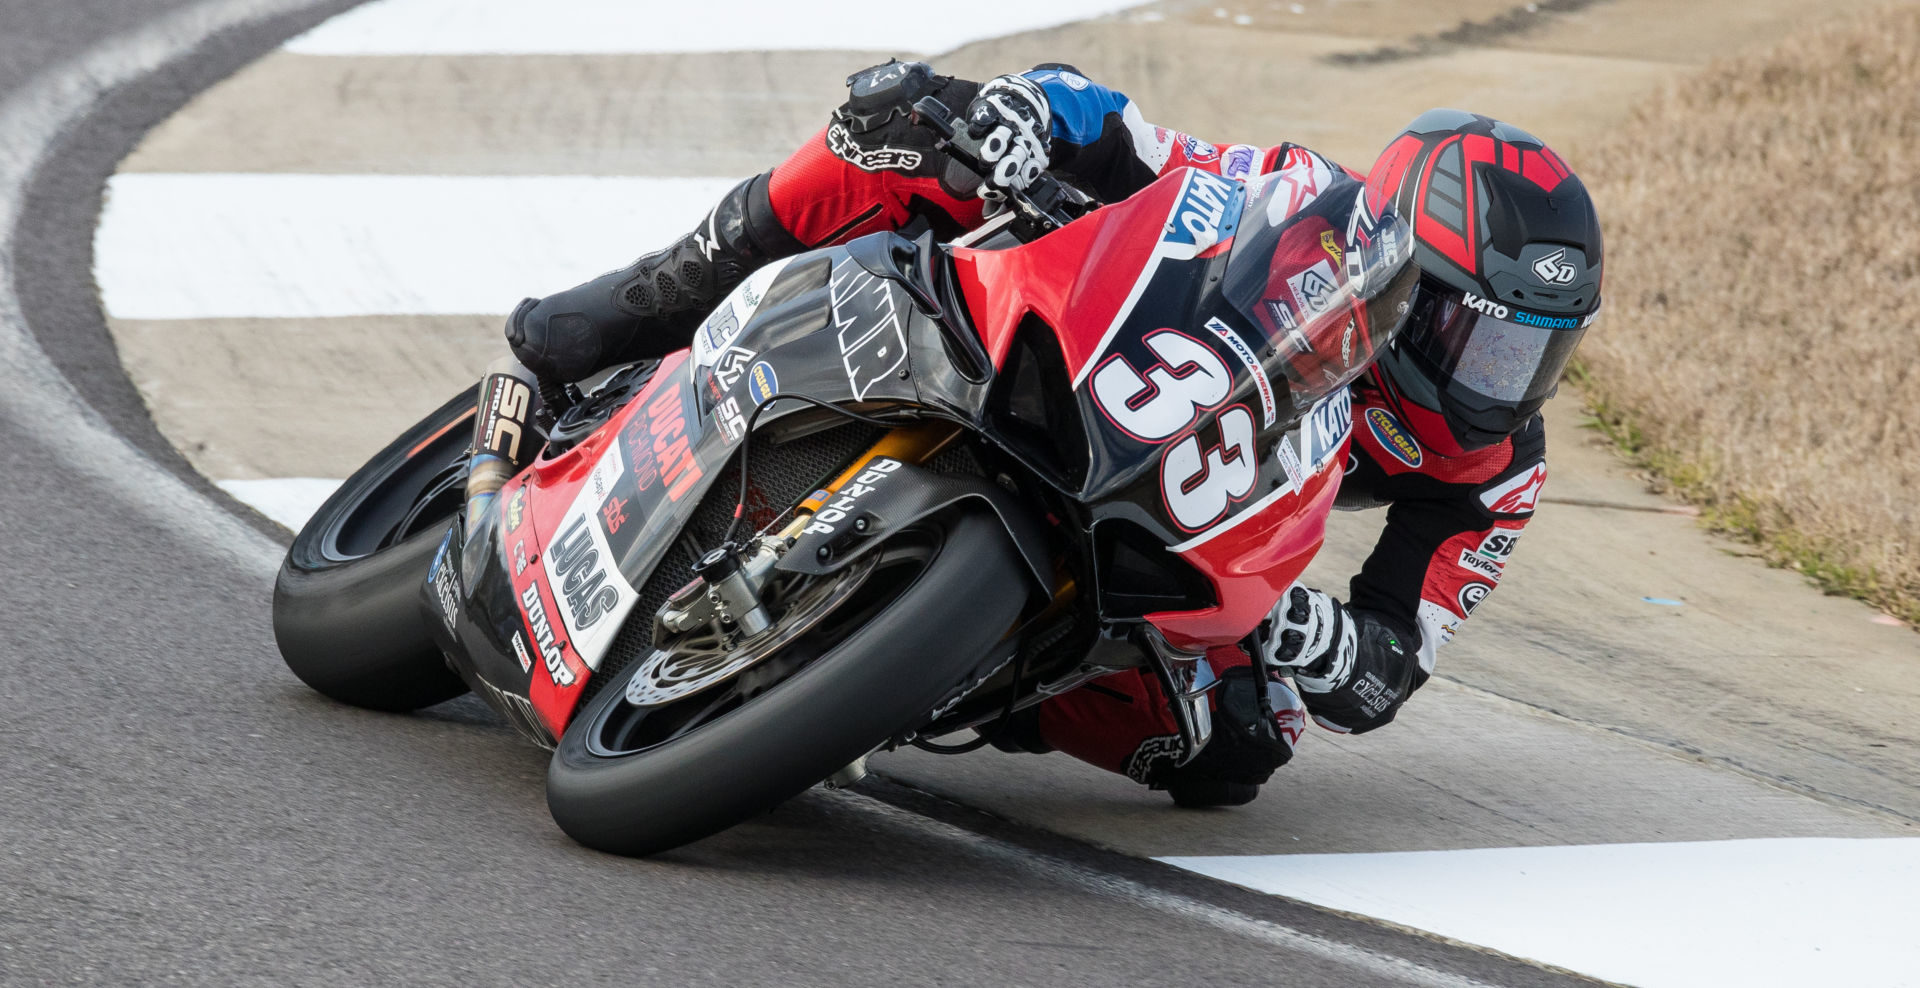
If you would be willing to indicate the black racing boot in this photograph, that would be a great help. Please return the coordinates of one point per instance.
(651, 307)
(1201, 793)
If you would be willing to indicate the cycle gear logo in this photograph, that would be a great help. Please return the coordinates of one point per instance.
(1553, 269)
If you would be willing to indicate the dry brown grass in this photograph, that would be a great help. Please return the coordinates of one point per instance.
(1761, 345)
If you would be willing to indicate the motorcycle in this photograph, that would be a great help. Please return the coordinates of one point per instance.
(895, 490)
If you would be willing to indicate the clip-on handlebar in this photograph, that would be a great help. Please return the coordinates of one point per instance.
(1045, 205)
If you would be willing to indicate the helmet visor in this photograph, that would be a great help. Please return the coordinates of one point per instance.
(1497, 352)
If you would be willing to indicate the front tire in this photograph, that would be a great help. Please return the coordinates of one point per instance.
(927, 636)
(346, 611)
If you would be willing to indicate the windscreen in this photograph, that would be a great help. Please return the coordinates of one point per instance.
(1326, 280)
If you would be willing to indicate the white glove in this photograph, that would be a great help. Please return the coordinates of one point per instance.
(1310, 638)
(1012, 121)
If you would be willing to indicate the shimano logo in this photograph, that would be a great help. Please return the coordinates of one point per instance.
(1545, 322)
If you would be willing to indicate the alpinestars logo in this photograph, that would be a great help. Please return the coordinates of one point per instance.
(1553, 269)
(881, 158)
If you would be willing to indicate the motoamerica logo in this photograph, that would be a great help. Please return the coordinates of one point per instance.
(873, 159)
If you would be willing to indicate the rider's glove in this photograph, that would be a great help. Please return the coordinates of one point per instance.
(1310, 638)
(1012, 121)
(1352, 668)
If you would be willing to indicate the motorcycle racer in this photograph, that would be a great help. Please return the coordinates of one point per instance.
(1447, 433)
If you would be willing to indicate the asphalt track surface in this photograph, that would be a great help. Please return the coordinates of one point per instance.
(175, 807)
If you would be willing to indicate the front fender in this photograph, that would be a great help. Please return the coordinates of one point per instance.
(890, 496)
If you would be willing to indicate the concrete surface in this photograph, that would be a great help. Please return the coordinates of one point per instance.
(1569, 712)
(177, 809)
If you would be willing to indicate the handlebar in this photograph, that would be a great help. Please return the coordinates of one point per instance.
(1046, 204)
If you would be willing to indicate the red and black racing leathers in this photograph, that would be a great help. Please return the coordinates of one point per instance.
(1452, 521)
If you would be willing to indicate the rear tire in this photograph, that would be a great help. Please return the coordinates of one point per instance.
(929, 639)
(346, 606)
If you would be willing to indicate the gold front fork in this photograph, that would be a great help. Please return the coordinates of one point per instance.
(911, 444)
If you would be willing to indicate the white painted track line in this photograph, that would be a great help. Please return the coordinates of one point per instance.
(196, 246)
(559, 27)
(1806, 911)
(287, 500)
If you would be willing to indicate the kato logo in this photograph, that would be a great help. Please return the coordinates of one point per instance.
(1202, 216)
(1392, 438)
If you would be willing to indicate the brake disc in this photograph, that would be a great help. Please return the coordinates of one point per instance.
(698, 661)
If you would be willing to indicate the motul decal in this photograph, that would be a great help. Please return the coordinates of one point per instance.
(1517, 495)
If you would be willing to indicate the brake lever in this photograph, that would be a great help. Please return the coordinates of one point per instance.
(1039, 204)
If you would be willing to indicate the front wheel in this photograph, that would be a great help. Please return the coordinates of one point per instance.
(863, 654)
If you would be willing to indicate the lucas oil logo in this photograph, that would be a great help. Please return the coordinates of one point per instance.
(1392, 438)
(1206, 212)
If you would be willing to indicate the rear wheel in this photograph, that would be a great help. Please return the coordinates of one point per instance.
(346, 610)
(854, 658)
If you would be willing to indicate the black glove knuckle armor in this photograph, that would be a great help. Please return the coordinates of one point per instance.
(1386, 670)
(875, 130)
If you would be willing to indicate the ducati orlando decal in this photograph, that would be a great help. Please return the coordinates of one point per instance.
(866, 316)
(658, 447)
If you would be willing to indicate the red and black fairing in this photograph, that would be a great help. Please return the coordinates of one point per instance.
(1131, 305)
(551, 578)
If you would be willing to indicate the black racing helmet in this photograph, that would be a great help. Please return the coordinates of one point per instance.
(1508, 245)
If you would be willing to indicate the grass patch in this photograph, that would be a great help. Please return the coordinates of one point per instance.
(1760, 351)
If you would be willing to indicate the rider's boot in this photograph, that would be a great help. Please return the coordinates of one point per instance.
(651, 307)
(504, 434)
(1252, 736)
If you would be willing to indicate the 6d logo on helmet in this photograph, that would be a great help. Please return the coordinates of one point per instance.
(1553, 269)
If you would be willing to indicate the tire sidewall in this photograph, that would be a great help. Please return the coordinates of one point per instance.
(875, 683)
